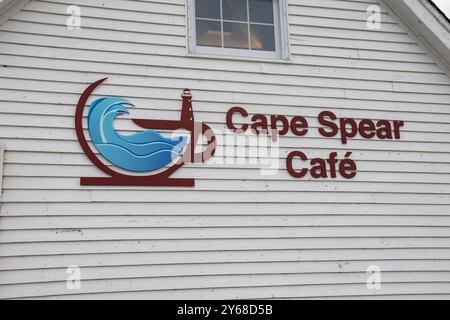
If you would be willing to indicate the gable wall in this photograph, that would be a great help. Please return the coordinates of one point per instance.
(236, 234)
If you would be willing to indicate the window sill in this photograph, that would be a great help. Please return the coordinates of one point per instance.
(237, 58)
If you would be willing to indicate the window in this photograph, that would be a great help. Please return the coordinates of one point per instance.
(248, 28)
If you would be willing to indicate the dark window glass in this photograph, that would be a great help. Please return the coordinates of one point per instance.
(207, 9)
(235, 10)
(235, 35)
(237, 18)
(261, 11)
(262, 37)
(208, 33)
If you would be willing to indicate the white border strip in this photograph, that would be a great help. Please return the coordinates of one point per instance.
(2, 154)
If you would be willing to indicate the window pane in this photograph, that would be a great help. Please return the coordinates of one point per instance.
(207, 9)
(235, 35)
(261, 11)
(262, 37)
(208, 33)
(235, 10)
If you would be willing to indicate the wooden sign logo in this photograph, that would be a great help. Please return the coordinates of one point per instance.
(145, 158)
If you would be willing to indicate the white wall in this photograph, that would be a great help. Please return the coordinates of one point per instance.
(236, 234)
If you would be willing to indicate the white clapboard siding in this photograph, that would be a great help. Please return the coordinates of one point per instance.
(237, 234)
(189, 269)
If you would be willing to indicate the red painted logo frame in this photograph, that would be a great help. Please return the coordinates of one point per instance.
(160, 179)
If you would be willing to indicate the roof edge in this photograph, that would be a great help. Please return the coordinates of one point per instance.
(427, 23)
(439, 10)
(9, 8)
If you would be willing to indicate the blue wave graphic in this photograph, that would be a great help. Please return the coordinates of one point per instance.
(144, 151)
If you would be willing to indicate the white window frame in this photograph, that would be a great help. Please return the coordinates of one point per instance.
(281, 36)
